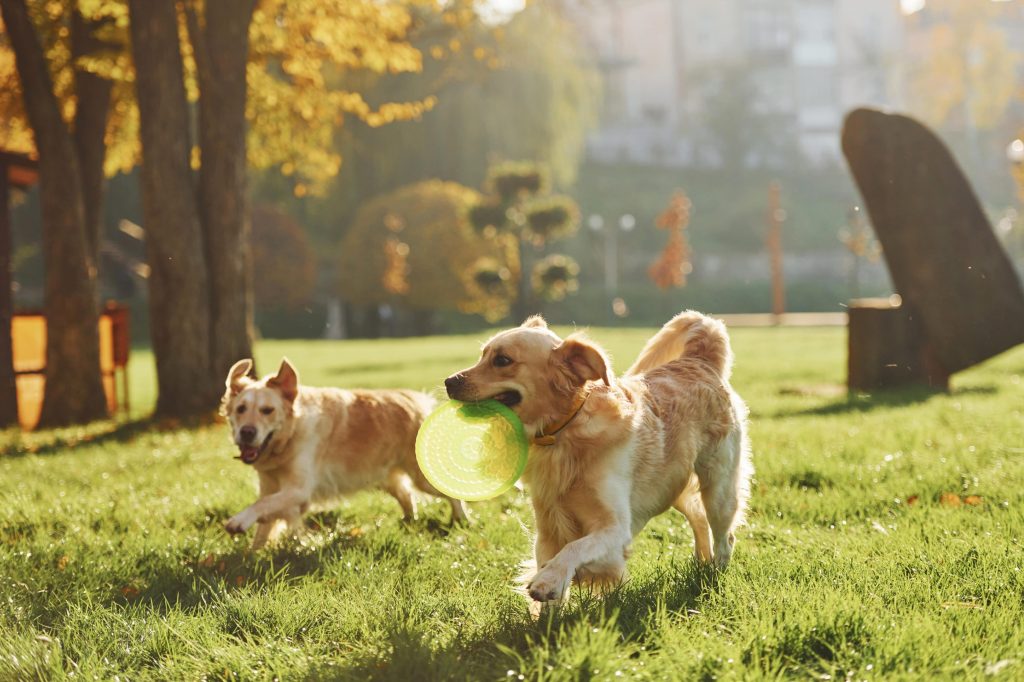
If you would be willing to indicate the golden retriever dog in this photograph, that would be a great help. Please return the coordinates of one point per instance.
(608, 454)
(312, 445)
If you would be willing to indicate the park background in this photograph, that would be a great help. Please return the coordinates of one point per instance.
(622, 104)
(305, 178)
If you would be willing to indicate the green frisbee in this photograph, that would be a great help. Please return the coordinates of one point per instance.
(472, 451)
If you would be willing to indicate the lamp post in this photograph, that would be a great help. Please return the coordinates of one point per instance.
(1015, 155)
(611, 248)
(626, 223)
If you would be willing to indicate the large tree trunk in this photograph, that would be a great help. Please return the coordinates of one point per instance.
(221, 46)
(8, 389)
(74, 389)
(93, 105)
(179, 303)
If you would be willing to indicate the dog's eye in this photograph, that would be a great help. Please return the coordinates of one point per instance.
(241, 409)
(502, 361)
(266, 410)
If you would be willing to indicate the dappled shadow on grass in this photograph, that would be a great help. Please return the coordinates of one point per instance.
(197, 577)
(62, 440)
(398, 364)
(866, 402)
(513, 637)
(15, 443)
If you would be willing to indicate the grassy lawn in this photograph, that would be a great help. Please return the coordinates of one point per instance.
(884, 542)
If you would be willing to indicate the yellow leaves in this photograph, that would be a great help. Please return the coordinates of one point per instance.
(966, 70)
(399, 111)
(304, 59)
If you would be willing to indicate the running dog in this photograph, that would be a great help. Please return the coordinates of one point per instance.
(312, 445)
(608, 454)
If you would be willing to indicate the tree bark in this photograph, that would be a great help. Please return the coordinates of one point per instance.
(888, 348)
(221, 45)
(8, 388)
(93, 105)
(74, 389)
(179, 300)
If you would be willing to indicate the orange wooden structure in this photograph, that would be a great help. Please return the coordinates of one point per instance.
(28, 333)
(17, 171)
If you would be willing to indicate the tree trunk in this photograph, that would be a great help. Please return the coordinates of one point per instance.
(179, 303)
(93, 105)
(222, 47)
(74, 389)
(8, 389)
(887, 348)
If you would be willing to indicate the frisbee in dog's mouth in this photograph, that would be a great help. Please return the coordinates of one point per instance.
(509, 398)
(250, 453)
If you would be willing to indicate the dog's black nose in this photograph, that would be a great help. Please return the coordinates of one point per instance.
(454, 383)
(247, 433)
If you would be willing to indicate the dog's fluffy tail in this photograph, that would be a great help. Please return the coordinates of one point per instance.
(689, 334)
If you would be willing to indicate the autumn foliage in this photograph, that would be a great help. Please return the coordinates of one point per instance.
(672, 266)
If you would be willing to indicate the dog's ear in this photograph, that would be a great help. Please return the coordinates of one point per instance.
(286, 381)
(584, 360)
(238, 376)
(535, 322)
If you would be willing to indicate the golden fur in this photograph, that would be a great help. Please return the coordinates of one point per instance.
(669, 433)
(311, 445)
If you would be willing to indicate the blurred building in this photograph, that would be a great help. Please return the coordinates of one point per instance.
(669, 66)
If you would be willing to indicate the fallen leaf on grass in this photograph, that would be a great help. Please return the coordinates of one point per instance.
(974, 500)
(239, 580)
(949, 500)
(62, 562)
(912, 500)
(355, 532)
(129, 592)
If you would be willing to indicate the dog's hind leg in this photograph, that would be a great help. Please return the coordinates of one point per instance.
(459, 514)
(722, 491)
(400, 488)
(690, 505)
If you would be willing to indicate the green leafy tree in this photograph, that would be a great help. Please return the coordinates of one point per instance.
(413, 248)
(736, 130)
(284, 259)
(519, 204)
(521, 90)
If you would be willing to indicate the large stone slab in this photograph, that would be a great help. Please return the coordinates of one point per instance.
(942, 254)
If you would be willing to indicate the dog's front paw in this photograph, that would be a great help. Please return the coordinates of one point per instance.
(239, 523)
(550, 584)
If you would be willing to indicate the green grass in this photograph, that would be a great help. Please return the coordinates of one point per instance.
(113, 560)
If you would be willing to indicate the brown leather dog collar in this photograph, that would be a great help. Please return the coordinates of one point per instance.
(547, 435)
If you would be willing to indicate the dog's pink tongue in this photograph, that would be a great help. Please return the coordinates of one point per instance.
(250, 454)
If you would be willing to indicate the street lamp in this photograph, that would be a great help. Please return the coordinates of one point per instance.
(1015, 152)
(1015, 155)
(611, 248)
